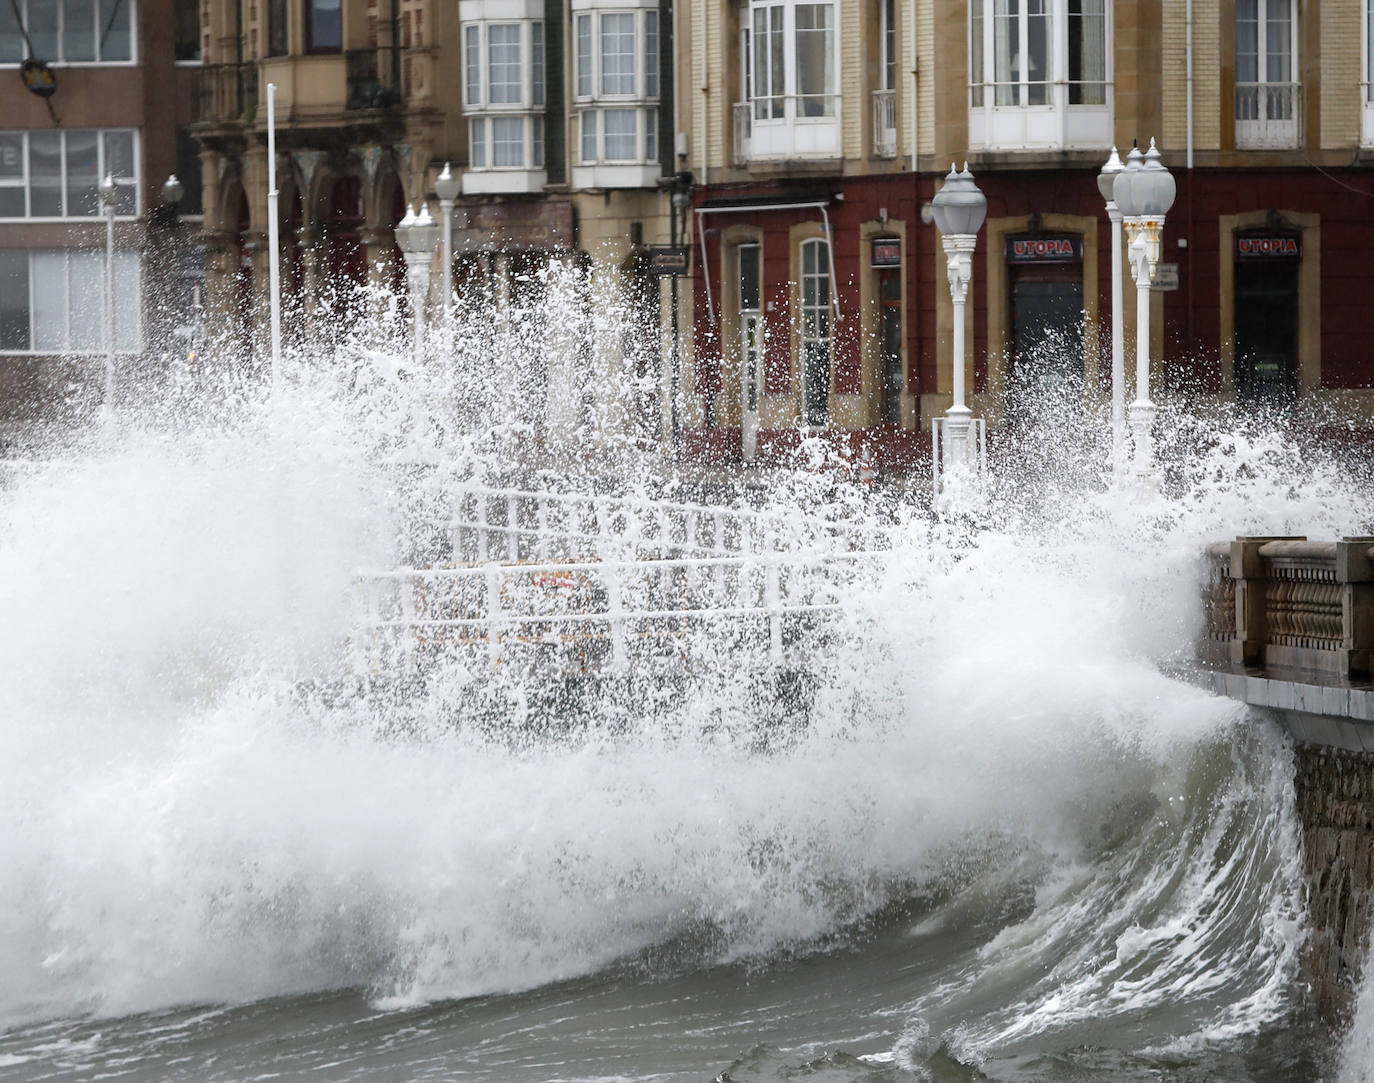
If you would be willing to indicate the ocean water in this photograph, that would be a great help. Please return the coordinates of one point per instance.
(987, 829)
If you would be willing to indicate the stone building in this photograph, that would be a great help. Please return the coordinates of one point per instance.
(120, 107)
(556, 116)
(820, 129)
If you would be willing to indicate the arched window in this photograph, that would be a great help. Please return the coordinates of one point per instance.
(815, 330)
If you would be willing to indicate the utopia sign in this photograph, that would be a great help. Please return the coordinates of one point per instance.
(1268, 246)
(1036, 249)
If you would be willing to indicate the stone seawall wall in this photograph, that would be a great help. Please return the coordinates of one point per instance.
(1335, 801)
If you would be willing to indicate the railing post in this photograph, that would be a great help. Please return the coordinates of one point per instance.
(616, 608)
(1252, 580)
(512, 528)
(482, 550)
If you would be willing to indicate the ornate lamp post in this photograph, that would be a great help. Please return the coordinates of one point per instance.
(447, 187)
(109, 203)
(959, 209)
(1106, 184)
(1144, 191)
(418, 235)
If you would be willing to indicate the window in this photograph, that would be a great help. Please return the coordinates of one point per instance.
(50, 301)
(324, 26)
(790, 61)
(1367, 119)
(885, 94)
(615, 85)
(503, 86)
(186, 43)
(277, 44)
(1268, 101)
(1038, 73)
(56, 174)
(815, 331)
(68, 31)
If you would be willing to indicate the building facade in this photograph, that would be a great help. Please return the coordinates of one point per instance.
(819, 131)
(122, 78)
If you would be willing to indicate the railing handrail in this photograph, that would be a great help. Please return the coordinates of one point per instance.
(748, 560)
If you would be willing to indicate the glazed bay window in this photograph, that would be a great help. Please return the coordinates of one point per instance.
(789, 53)
(1040, 74)
(68, 31)
(503, 95)
(56, 174)
(50, 301)
(616, 93)
(1268, 101)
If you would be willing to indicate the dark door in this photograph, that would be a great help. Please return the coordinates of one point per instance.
(1266, 331)
(1047, 339)
(890, 344)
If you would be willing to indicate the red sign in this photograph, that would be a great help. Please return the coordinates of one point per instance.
(1027, 249)
(1270, 246)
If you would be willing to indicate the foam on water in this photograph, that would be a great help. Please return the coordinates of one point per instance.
(991, 722)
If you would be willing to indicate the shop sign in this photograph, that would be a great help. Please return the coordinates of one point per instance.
(1032, 249)
(669, 259)
(1165, 277)
(1268, 246)
(886, 252)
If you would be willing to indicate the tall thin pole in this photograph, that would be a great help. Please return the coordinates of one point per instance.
(107, 407)
(273, 227)
(675, 391)
(1118, 342)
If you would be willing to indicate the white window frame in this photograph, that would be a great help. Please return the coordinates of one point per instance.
(784, 122)
(592, 102)
(1010, 115)
(1367, 76)
(59, 61)
(128, 269)
(814, 316)
(25, 180)
(1269, 109)
(484, 114)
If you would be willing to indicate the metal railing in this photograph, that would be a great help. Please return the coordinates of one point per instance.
(1268, 115)
(1290, 603)
(884, 124)
(372, 78)
(224, 93)
(797, 111)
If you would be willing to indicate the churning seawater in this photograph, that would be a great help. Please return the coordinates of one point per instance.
(992, 837)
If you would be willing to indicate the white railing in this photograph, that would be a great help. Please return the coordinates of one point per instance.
(1268, 115)
(577, 617)
(786, 126)
(884, 124)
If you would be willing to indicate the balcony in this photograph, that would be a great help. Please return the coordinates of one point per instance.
(788, 127)
(1268, 116)
(884, 124)
(372, 78)
(224, 93)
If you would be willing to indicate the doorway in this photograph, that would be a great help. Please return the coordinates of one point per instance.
(1266, 331)
(1046, 339)
(890, 345)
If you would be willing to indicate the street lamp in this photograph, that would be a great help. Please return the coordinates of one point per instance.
(447, 187)
(109, 203)
(959, 209)
(1106, 184)
(1144, 191)
(681, 200)
(418, 235)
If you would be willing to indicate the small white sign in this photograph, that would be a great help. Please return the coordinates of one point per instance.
(1165, 278)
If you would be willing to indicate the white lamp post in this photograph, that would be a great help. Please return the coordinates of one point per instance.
(109, 203)
(447, 187)
(959, 209)
(1144, 191)
(1106, 183)
(418, 235)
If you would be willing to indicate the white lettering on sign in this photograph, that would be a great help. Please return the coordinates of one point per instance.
(1042, 248)
(1268, 246)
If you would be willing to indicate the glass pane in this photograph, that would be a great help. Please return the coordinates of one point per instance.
(477, 145)
(276, 28)
(815, 60)
(651, 54)
(472, 61)
(116, 40)
(119, 154)
(618, 54)
(508, 142)
(1279, 42)
(621, 132)
(43, 29)
(1039, 62)
(12, 201)
(1247, 41)
(503, 64)
(975, 52)
(537, 62)
(749, 277)
(86, 276)
(45, 174)
(14, 299)
(1006, 51)
(82, 173)
(584, 56)
(128, 309)
(11, 156)
(889, 45)
(1087, 52)
(187, 34)
(78, 30)
(326, 25)
(777, 64)
(817, 364)
(12, 48)
(589, 136)
(49, 271)
(650, 135)
(538, 142)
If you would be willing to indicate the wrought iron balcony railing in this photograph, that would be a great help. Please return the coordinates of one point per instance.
(1268, 115)
(884, 124)
(373, 78)
(225, 93)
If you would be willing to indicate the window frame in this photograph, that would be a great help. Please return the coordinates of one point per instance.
(25, 180)
(1272, 121)
(594, 104)
(810, 315)
(131, 6)
(131, 271)
(483, 114)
